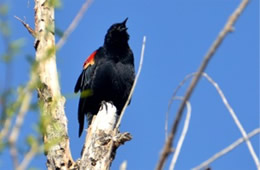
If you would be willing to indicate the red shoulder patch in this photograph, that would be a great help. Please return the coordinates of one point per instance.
(90, 60)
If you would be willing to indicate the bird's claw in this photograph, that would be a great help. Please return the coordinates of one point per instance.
(104, 103)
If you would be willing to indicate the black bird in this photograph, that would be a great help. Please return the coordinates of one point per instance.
(108, 75)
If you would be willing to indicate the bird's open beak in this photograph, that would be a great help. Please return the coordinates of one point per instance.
(123, 25)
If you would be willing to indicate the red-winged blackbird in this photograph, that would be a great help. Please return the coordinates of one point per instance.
(108, 75)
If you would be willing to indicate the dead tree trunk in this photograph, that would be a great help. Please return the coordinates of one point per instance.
(53, 117)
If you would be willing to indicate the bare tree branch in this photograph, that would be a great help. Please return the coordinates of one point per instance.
(18, 123)
(6, 85)
(27, 158)
(20, 117)
(227, 29)
(14, 155)
(27, 26)
(171, 101)
(183, 134)
(5, 129)
(225, 101)
(98, 139)
(74, 23)
(123, 165)
(227, 149)
(235, 118)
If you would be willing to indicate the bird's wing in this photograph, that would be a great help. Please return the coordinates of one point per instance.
(85, 76)
(83, 85)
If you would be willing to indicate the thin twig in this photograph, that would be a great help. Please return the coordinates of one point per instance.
(27, 158)
(14, 155)
(134, 84)
(27, 26)
(123, 165)
(20, 117)
(226, 150)
(171, 101)
(183, 134)
(235, 118)
(6, 127)
(18, 123)
(6, 85)
(74, 23)
(17, 127)
(227, 29)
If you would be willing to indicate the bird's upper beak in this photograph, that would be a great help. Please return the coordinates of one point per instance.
(123, 25)
(124, 22)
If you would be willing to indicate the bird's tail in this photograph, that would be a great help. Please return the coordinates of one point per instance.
(81, 116)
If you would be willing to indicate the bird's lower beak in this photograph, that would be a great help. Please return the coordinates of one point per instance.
(123, 29)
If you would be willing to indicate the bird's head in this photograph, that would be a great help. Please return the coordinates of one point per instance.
(117, 34)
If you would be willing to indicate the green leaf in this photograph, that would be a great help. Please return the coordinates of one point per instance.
(4, 9)
(4, 28)
(86, 93)
(6, 58)
(54, 3)
(16, 45)
(2, 146)
(33, 168)
(32, 141)
(30, 59)
(59, 32)
(50, 52)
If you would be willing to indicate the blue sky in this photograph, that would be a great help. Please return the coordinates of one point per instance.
(179, 33)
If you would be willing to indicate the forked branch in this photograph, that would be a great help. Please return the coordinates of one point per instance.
(227, 29)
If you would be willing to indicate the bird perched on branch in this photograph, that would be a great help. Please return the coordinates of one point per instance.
(108, 75)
